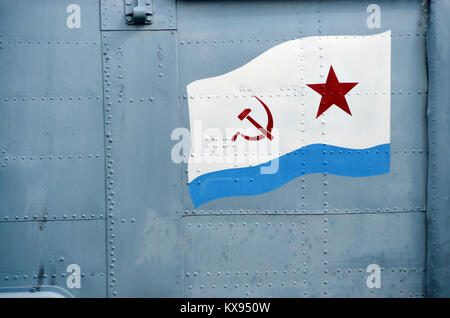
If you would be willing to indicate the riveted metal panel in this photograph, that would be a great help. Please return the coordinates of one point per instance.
(38, 253)
(253, 256)
(52, 146)
(396, 242)
(59, 81)
(51, 112)
(45, 187)
(48, 55)
(34, 125)
(235, 40)
(303, 256)
(402, 189)
(164, 16)
(312, 237)
(438, 260)
(225, 256)
(143, 184)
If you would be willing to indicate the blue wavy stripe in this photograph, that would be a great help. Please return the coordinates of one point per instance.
(316, 158)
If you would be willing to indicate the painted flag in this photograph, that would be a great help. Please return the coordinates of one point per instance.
(311, 105)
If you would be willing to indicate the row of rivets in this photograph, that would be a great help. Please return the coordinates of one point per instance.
(256, 224)
(51, 157)
(109, 162)
(304, 211)
(48, 217)
(303, 153)
(39, 42)
(294, 93)
(48, 98)
(54, 275)
(281, 38)
(433, 206)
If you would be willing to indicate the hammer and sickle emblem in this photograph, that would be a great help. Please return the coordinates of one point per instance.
(265, 132)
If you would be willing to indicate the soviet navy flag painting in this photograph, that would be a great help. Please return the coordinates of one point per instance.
(311, 105)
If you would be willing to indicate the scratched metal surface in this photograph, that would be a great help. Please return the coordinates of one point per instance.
(143, 185)
(52, 203)
(37, 253)
(51, 143)
(91, 115)
(302, 255)
(438, 257)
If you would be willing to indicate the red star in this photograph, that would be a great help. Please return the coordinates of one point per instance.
(333, 93)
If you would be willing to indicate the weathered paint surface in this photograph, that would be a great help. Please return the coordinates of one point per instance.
(86, 176)
(438, 111)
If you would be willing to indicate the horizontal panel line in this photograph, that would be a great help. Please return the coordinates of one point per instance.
(52, 220)
(303, 214)
(136, 30)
